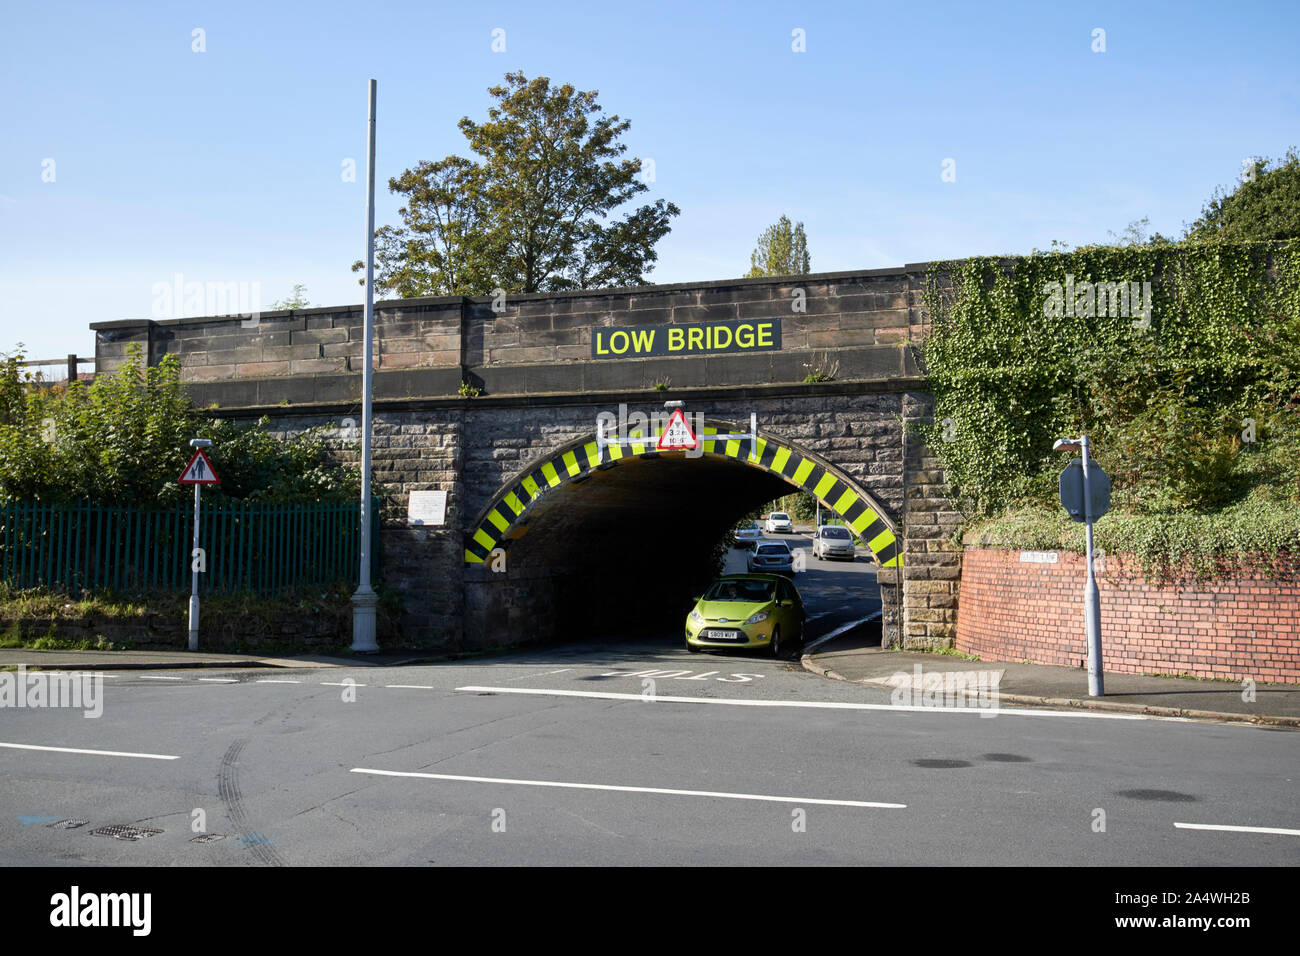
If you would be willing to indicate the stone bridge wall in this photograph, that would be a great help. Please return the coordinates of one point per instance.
(540, 388)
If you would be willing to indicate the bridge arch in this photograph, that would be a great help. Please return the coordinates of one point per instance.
(507, 514)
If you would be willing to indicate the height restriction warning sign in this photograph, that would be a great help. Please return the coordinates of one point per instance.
(677, 433)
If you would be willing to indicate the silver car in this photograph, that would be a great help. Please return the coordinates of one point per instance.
(747, 534)
(770, 557)
(832, 541)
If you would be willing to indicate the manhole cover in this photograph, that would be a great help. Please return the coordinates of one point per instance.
(1008, 758)
(124, 831)
(208, 838)
(1167, 796)
(67, 824)
(941, 764)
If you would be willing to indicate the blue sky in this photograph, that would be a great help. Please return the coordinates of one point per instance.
(225, 165)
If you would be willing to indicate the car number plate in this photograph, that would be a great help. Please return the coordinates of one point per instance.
(720, 635)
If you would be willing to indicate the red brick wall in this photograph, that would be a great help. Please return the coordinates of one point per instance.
(1239, 627)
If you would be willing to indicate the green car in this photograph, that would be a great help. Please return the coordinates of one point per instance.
(747, 610)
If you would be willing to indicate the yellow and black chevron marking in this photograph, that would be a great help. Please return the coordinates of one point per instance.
(856, 510)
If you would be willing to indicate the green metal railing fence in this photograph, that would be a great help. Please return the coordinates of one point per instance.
(249, 545)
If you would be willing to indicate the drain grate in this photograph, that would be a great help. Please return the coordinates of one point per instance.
(208, 838)
(941, 764)
(67, 824)
(124, 831)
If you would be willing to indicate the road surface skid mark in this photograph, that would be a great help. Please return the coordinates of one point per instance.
(659, 790)
(817, 704)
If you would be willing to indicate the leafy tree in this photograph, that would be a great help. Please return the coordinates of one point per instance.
(1135, 234)
(782, 251)
(531, 211)
(1266, 206)
(298, 300)
(124, 437)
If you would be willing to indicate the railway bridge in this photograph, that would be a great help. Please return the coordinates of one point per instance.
(507, 518)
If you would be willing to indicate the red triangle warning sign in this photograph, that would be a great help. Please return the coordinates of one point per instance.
(199, 471)
(677, 434)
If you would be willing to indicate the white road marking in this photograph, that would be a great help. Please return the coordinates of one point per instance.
(410, 686)
(278, 682)
(97, 753)
(219, 680)
(150, 677)
(1215, 826)
(838, 631)
(603, 786)
(821, 704)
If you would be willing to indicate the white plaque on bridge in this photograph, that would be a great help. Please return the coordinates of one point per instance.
(426, 508)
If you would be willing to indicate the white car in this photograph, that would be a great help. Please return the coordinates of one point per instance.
(832, 541)
(779, 521)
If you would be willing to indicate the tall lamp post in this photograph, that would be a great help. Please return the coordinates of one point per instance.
(365, 599)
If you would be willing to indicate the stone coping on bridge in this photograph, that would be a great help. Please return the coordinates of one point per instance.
(848, 326)
(445, 300)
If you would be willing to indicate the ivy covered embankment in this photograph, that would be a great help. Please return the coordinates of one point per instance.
(1180, 361)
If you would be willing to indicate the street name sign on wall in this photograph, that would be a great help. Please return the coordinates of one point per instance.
(1072, 489)
(426, 509)
(643, 341)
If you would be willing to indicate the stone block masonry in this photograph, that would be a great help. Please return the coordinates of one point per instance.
(540, 386)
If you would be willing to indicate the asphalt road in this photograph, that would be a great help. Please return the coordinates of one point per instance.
(626, 753)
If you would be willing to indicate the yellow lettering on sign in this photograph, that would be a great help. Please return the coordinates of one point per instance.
(764, 334)
(676, 340)
(613, 342)
(745, 336)
(718, 343)
(643, 340)
(600, 349)
(695, 338)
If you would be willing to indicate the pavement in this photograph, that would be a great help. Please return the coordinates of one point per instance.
(165, 659)
(856, 657)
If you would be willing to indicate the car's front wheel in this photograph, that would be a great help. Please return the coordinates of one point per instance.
(777, 646)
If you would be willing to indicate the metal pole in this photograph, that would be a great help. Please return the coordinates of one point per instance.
(1091, 597)
(194, 575)
(364, 599)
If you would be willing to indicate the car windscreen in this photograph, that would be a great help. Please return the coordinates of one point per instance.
(744, 591)
(834, 533)
(777, 516)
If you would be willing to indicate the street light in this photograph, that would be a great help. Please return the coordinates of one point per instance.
(364, 599)
(1091, 596)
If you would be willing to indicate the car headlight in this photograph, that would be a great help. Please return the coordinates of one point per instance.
(697, 617)
(756, 618)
